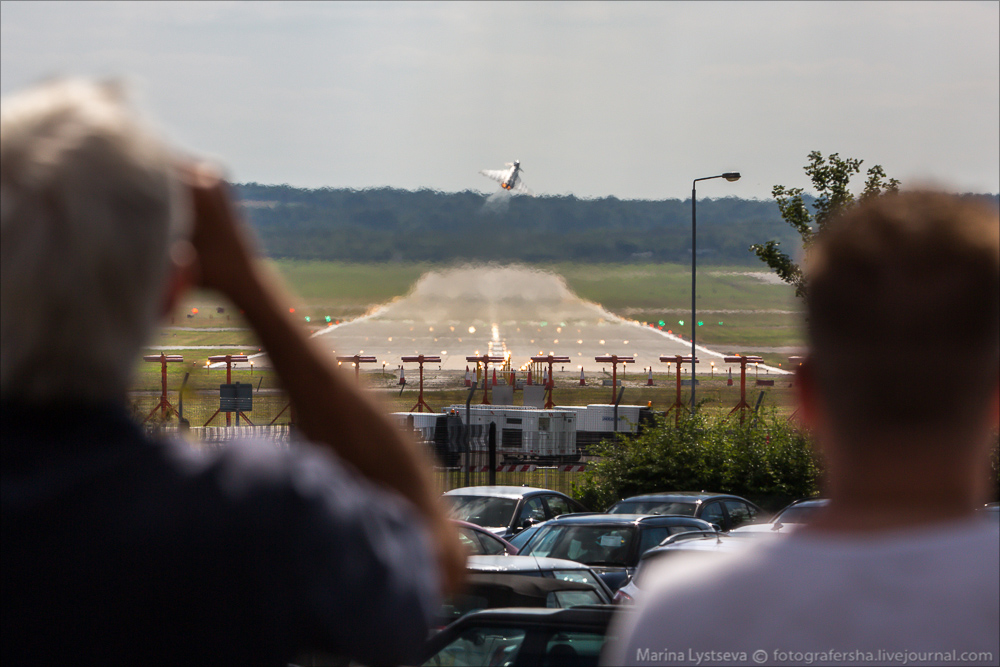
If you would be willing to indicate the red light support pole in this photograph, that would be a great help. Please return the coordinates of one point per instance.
(678, 405)
(614, 360)
(420, 359)
(164, 405)
(230, 359)
(485, 360)
(742, 406)
(550, 385)
(358, 359)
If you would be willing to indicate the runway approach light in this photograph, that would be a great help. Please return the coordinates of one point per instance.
(472, 329)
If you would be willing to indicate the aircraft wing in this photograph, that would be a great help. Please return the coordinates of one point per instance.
(496, 174)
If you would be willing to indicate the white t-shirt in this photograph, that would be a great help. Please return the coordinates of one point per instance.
(929, 596)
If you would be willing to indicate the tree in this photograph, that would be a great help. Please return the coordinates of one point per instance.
(830, 177)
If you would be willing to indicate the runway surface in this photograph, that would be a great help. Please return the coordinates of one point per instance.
(472, 311)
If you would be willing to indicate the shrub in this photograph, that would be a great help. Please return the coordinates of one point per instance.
(769, 462)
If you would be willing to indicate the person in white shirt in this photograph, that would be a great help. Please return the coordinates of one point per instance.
(898, 568)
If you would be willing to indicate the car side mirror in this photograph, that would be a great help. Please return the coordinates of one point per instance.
(716, 527)
(528, 523)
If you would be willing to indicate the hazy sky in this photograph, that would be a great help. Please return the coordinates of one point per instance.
(595, 99)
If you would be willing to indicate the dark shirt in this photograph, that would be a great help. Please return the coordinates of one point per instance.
(118, 549)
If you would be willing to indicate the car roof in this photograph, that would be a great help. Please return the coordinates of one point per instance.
(678, 495)
(612, 519)
(718, 542)
(521, 564)
(499, 491)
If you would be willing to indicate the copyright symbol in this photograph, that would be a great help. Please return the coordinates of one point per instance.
(759, 656)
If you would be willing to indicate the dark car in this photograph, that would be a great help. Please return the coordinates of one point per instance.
(723, 510)
(491, 590)
(521, 637)
(507, 510)
(533, 566)
(481, 542)
(611, 544)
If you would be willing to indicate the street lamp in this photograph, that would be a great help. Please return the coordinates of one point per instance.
(729, 176)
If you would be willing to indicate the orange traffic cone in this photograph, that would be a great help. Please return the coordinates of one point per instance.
(583, 382)
(402, 376)
(649, 378)
(468, 378)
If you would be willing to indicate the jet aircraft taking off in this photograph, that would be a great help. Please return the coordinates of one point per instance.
(509, 178)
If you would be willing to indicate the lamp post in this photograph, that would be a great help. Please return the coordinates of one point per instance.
(729, 176)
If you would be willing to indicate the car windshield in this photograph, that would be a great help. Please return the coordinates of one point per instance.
(521, 539)
(483, 510)
(653, 507)
(593, 545)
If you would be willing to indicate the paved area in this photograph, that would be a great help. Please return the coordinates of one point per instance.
(519, 311)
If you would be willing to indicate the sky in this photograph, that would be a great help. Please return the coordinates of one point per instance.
(631, 100)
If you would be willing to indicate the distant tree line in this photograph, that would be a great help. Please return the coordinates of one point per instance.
(387, 224)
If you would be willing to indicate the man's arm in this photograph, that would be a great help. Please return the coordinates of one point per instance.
(329, 410)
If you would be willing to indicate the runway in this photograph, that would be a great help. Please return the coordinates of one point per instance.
(471, 311)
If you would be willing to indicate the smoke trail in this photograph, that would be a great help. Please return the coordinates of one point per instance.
(497, 202)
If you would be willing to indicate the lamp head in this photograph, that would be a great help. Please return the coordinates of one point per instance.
(732, 176)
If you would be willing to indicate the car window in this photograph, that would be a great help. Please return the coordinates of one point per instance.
(581, 649)
(469, 540)
(480, 647)
(533, 509)
(482, 510)
(491, 545)
(580, 577)
(712, 513)
(558, 505)
(739, 513)
(651, 536)
(563, 599)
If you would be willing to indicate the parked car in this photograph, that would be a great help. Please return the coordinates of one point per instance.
(491, 590)
(507, 510)
(523, 637)
(534, 566)
(723, 510)
(611, 544)
(697, 544)
(481, 542)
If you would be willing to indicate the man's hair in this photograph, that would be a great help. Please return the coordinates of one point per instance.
(904, 313)
(89, 209)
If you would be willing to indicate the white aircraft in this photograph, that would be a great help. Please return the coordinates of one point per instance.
(509, 178)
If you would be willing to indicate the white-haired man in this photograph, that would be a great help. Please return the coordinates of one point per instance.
(118, 549)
